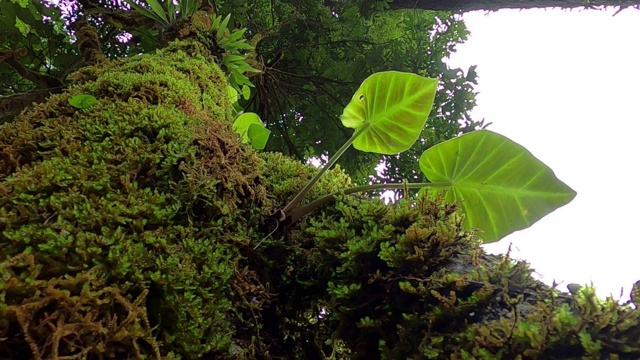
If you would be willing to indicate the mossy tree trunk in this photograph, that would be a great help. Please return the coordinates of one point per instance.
(128, 231)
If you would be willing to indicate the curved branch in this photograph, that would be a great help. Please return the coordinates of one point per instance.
(40, 80)
(12, 105)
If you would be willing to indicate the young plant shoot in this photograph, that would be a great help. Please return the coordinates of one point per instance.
(388, 112)
(500, 186)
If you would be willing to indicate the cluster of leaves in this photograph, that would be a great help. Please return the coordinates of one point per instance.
(500, 185)
(251, 130)
(167, 14)
(234, 58)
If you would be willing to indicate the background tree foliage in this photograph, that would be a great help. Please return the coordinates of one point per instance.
(312, 56)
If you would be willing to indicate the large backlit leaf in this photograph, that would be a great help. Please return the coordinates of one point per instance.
(500, 185)
(391, 108)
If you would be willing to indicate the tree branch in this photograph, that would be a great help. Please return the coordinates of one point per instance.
(40, 80)
(12, 105)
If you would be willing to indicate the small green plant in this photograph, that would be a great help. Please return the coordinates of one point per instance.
(234, 58)
(251, 130)
(82, 101)
(248, 125)
(500, 186)
(167, 14)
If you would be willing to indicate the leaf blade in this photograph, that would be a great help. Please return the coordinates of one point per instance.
(391, 109)
(251, 130)
(82, 101)
(500, 185)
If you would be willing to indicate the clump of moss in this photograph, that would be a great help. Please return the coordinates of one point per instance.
(122, 225)
(366, 280)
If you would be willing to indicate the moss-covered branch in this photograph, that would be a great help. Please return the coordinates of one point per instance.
(127, 228)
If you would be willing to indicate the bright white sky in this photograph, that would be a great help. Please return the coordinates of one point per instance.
(566, 85)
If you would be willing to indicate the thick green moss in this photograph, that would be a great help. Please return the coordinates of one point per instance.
(405, 281)
(122, 224)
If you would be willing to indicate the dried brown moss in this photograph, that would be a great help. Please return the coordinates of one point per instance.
(78, 313)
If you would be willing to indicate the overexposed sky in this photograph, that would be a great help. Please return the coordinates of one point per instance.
(566, 85)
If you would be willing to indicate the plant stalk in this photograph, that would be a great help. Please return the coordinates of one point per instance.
(298, 198)
(296, 214)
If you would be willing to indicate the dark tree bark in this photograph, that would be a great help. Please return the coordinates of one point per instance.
(492, 5)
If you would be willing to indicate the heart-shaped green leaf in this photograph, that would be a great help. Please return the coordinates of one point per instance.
(251, 130)
(258, 135)
(232, 94)
(246, 92)
(82, 101)
(390, 110)
(499, 184)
